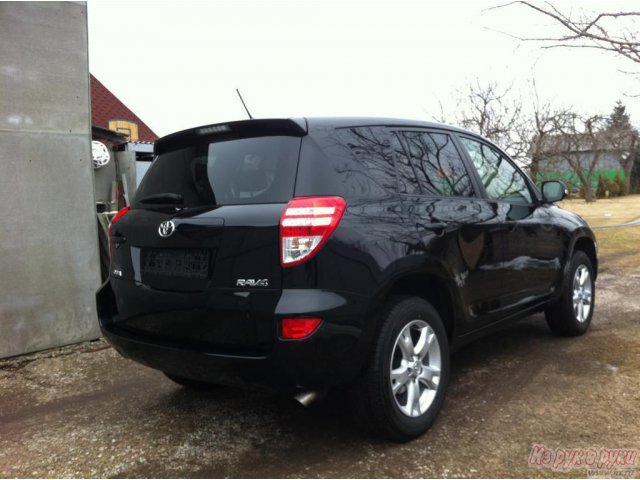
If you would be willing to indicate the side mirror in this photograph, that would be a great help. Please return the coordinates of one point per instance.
(554, 191)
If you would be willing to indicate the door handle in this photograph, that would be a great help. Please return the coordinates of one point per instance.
(438, 228)
(512, 226)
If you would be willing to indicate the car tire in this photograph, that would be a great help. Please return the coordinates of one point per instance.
(401, 391)
(571, 314)
(192, 384)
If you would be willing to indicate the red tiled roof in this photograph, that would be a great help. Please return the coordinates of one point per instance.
(105, 106)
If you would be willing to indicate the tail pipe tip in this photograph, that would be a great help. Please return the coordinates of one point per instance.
(308, 397)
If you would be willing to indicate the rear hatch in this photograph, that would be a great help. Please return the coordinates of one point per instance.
(197, 259)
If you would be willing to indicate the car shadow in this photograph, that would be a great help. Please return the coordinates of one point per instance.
(250, 433)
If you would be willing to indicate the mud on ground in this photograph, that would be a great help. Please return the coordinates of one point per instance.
(84, 411)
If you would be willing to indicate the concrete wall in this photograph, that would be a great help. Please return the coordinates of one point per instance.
(49, 268)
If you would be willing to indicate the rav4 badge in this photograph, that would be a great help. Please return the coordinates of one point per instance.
(252, 282)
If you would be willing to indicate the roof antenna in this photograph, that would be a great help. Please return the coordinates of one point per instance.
(243, 104)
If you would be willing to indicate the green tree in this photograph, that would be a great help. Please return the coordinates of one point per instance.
(623, 138)
(634, 179)
(601, 190)
(622, 183)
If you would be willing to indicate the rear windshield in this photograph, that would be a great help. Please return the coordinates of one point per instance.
(231, 172)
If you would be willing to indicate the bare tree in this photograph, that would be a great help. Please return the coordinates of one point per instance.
(578, 142)
(542, 126)
(545, 139)
(494, 113)
(615, 32)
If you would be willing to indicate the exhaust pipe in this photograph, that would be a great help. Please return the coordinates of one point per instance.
(307, 398)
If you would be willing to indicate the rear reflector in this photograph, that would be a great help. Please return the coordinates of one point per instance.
(305, 225)
(299, 328)
(117, 217)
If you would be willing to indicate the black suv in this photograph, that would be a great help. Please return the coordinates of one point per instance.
(306, 254)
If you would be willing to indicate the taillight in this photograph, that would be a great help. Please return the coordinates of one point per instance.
(305, 225)
(117, 217)
(299, 328)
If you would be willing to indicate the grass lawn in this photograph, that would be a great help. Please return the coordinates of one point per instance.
(618, 248)
(606, 211)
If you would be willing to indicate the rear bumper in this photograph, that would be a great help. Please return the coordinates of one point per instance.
(331, 356)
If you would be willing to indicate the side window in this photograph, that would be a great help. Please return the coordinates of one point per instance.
(351, 162)
(501, 180)
(370, 148)
(438, 166)
(407, 175)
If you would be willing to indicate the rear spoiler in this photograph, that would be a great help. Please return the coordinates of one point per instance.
(296, 127)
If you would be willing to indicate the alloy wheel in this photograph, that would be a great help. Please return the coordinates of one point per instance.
(582, 293)
(415, 368)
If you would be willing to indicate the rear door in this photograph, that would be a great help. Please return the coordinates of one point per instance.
(225, 197)
(456, 226)
(202, 236)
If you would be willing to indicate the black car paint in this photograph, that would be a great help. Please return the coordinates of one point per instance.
(488, 261)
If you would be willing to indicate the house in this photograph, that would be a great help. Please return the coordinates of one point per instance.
(107, 111)
(559, 156)
(127, 138)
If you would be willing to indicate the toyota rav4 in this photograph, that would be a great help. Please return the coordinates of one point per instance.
(346, 253)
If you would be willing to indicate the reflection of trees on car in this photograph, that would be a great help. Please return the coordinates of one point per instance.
(437, 159)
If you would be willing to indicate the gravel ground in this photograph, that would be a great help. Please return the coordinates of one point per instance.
(84, 411)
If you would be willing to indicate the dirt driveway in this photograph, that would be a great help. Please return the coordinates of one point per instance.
(87, 412)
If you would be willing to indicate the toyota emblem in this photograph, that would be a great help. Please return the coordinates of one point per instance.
(167, 228)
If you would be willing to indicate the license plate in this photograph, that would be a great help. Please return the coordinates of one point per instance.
(175, 263)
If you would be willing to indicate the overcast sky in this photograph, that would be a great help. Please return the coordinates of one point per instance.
(177, 64)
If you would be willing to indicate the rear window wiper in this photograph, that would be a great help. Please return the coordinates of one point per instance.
(163, 198)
